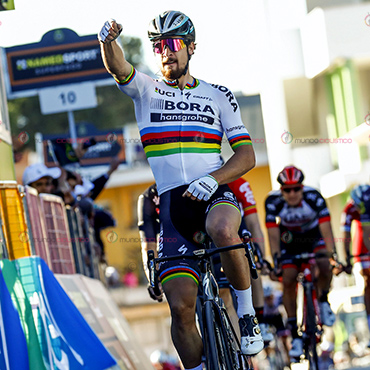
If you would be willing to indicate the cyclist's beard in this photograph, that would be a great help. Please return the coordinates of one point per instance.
(172, 74)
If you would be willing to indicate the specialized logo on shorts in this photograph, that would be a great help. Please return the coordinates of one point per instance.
(183, 249)
(229, 195)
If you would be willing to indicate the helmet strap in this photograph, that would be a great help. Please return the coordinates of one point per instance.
(186, 67)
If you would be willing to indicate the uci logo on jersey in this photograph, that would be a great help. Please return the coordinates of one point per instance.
(167, 93)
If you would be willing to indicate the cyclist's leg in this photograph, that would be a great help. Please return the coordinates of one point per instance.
(325, 275)
(290, 273)
(222, 223)
(180, 278)
(229, 305)
(363, 268)
(185, 335)
(222, 226)
(258, 303)
(324, 279)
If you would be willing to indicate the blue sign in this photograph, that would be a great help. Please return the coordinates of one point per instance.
(66, 339)
(61, 57)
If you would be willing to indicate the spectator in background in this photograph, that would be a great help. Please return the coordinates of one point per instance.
(102, 220)
(129, 279)
(74, 179)
(40, 177)
(161, 360)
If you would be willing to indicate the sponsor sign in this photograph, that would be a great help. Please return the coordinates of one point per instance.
(61, 57)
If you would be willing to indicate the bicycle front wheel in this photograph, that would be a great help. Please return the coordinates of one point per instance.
(311, 350)
(217, 349)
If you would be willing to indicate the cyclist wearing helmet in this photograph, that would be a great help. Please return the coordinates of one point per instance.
(357, 214)
(181, 121)
(298, 221)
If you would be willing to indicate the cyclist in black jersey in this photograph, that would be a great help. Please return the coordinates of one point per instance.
(182, 121)
(149, 227)
(298, 221)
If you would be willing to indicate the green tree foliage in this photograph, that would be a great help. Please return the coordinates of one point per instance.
(113, 111)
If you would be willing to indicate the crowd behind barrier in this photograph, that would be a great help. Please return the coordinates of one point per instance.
(56, 318)
(42, 225)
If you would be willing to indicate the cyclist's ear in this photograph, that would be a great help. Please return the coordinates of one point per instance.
(191, 48)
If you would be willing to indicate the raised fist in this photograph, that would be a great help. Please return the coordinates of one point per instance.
(110, 31)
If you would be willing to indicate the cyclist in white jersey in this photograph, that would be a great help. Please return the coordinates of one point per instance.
(181, 121)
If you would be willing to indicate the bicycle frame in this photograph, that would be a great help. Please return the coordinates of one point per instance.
(218, 333)
(311, 326)
(306, 280)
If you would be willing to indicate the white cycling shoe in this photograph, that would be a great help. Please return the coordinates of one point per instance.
(251, 338)
(297, 348)
(327, 315)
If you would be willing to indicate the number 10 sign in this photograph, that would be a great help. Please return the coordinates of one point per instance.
(66, 98)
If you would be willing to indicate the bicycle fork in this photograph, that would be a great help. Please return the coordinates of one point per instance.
(309, 292)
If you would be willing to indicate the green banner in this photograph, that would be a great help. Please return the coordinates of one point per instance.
(24, 309)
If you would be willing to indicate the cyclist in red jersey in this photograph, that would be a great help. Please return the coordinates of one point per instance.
(298, 221)
(356, 213)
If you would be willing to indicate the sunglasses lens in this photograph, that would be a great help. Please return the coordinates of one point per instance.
(157, 48)
(288, 190)
(173, 44)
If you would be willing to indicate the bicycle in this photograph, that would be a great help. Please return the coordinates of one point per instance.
(221, 345)
(311, 326)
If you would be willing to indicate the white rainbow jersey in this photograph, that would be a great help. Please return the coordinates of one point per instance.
(181, 131)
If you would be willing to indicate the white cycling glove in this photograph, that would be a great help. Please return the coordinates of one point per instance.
(104, 32)
(203, 188)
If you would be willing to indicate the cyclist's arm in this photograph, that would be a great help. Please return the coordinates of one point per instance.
(274, 240)
(366, 235)
(148, 237)
(327, 234)
(347, 243)
(254, 227)
(239, 164)
(113, 56)
(145, 247)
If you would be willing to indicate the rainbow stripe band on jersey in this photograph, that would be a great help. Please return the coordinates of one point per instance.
(242, 139)
(188, 85)
(176, 272)
(174, 139)
(128, 79)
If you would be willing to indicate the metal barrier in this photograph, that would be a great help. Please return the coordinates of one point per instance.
(93, 264)
(36, 224)
(14, 224)
(57, 230)
(77, 238)
(40, 224)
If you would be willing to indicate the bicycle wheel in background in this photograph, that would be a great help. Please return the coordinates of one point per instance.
(310, 333)
(217, 350)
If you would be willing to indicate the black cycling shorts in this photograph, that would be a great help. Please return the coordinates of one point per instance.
(183, 229)
(293, 243)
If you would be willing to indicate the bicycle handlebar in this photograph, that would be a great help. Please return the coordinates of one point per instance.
(303, 256)
(359, 255)
(199, 254)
